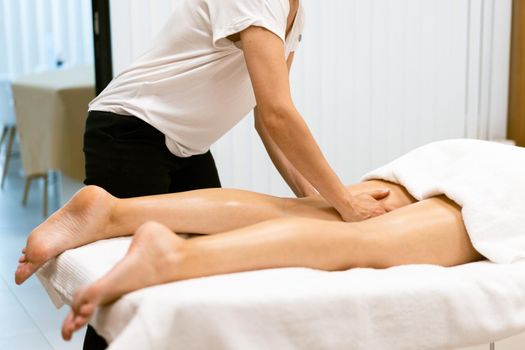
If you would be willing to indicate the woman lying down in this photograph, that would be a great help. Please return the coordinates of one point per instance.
(244, 231)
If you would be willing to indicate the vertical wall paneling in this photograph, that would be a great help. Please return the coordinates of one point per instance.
(57, 28)
(25, 32)
(86, 31)
(487, 67)
(372, 78)
(73, 34)
(486, 59)
(121, 39)
(471, 70)
(141, 34)
(501, 45)
(34, 34)
(12, 46)
(3, 43)
(43, 25)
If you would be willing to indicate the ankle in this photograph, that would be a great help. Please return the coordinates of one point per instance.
(178, 261)
(112, 223)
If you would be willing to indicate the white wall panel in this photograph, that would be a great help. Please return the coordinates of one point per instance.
(34, 34)
(372, 78)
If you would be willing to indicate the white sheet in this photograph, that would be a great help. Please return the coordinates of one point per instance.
(486, 179)
(407, 307)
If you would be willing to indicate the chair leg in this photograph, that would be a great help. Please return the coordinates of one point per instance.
(10, 142)
(27, 185)
(5, 128)
(46, 190)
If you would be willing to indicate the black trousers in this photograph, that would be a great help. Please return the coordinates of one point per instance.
(128, 158)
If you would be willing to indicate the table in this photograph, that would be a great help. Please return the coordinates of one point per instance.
(51, 109)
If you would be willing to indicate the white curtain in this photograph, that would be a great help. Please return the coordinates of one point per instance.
(372, 78)
(35, 35)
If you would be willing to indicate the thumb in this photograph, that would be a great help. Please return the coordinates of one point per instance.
(379, 194)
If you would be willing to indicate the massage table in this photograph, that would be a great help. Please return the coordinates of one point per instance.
(405, 307)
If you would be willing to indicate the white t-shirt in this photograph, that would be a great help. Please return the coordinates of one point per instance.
(193, 84)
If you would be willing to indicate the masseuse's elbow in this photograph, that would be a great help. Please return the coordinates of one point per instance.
(275, 117)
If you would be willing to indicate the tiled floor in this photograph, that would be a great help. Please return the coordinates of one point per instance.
(28, 319)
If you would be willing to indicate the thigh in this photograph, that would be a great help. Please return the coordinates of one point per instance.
(196, 172)
(426, 232)
(398, 197)
(125, 156)
(318, 207)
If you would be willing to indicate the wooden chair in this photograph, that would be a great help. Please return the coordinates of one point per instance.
(8, 122)
(29, 180)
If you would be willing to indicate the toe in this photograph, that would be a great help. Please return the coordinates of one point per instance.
(23, 272)
(66, 333)
(66, 326)
(86, 310)
(80, 321)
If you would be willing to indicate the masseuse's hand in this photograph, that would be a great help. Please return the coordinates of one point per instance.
(365, 205)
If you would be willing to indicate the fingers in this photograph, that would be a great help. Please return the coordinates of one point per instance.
(389, 207)
(380, 210)
(379, 194)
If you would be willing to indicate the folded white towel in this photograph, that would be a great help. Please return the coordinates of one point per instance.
(486, 179)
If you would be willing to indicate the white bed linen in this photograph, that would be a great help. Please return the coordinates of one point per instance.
(487, 179)
(408, 307)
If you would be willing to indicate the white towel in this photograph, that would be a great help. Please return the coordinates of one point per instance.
(486, 179)
(412, 307)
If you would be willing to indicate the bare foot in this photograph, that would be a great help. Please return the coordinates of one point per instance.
(82, 220)
(152, 258)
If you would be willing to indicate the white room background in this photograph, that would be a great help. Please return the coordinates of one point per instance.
(372, 78)
(35, 34)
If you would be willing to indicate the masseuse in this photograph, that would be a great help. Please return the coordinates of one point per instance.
(150, 131)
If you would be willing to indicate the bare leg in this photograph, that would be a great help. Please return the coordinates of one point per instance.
(93, 214)
(218, 210)
(429, 232)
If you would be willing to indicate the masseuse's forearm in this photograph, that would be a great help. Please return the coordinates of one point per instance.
(297, 182)
(289, 131)
(263, 53)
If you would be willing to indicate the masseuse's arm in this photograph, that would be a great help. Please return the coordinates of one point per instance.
(264, 55)
(299, 185)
